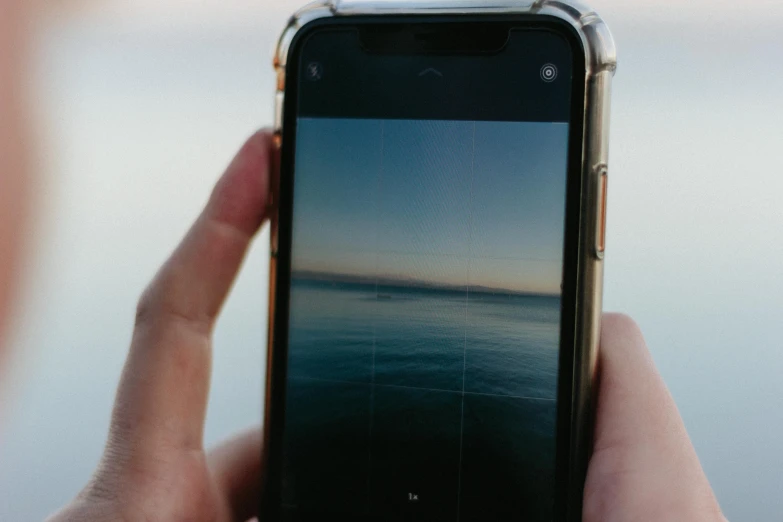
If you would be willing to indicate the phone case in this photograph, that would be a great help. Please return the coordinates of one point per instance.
(600, 61)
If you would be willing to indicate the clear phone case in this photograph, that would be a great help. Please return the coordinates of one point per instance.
(600, 61)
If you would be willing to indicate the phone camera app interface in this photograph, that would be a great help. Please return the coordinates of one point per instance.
(424, 316)
(425, 298)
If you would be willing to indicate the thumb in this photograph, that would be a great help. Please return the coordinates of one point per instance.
(236, 469)
(644, 466)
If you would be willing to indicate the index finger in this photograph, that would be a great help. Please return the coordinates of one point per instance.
(162, 397)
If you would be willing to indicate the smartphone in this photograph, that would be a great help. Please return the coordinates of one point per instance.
(436, 271)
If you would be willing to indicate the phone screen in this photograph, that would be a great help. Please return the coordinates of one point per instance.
(427, 239)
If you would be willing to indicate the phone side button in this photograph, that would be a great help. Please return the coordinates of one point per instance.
(603, 180)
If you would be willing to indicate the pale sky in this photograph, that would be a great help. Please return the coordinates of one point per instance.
(185, 13)
(452, 202)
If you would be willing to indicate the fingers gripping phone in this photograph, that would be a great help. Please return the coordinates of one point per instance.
(436, 261)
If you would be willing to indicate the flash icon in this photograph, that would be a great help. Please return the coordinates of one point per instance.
(314, 71)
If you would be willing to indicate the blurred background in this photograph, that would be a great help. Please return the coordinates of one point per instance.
(141, 104)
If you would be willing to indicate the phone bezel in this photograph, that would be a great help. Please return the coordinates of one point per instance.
(574, 228)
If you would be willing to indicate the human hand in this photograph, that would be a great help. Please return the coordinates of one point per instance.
(154, 466)
(644, 467)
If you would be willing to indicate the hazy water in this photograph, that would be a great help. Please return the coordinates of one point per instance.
(376, 410)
